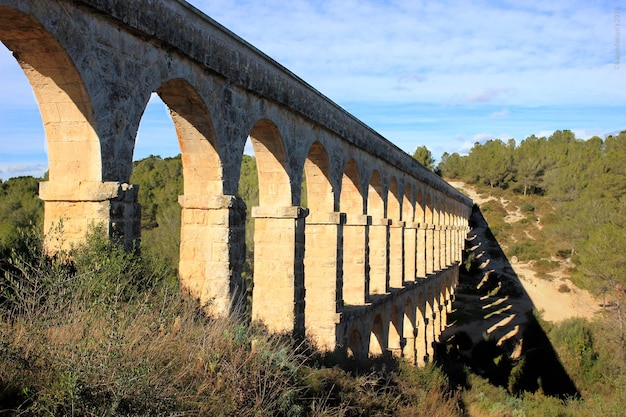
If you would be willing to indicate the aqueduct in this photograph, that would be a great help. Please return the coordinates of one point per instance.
(369, 266)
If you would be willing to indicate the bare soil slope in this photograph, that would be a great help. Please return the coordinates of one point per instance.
(547, 296)
(496, 304)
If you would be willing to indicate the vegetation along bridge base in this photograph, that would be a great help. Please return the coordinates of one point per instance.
(369, 265)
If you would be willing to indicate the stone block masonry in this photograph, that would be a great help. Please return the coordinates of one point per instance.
(370, 265)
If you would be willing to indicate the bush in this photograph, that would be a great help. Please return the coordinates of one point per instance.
(104, 332)
(573, 340)
(492, 207)
(546, 265)
(109, 333)
(527, 207)
(527, 250)
(564, 288)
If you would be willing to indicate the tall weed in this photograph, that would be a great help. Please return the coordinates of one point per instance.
(100, 331)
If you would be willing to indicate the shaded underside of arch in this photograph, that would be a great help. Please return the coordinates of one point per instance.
(320, 197)
(274, 183)
(393, 200)
(202, 168)
(351, 199)
(375, 198)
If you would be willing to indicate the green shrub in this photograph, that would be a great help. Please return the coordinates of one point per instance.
(101, 331)
(574, 341)
(527, 207)
(527, 250)
(106, 332)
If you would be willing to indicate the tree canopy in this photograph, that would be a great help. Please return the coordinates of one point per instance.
(19, 207)
(424, 157)
(585, 182)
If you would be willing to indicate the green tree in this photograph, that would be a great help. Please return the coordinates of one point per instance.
(601, 259)
(492, 162)
(20, 207)
(570, 171)
(160, 183)
(452, 166)
(424, 157)
(249, 181)
(249, 193)
(529, 164)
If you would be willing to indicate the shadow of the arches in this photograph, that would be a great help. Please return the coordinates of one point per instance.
(494, 329)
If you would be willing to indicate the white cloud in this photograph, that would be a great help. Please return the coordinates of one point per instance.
(483, 137)
(17, 170)
(432, 73)
(499, 114)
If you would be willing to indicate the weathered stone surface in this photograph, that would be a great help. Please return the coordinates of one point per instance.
(370, 265)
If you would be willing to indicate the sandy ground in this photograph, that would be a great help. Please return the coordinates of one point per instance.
(503, 317)
(545, 295)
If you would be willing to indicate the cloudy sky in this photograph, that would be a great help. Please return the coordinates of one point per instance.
(444, 74)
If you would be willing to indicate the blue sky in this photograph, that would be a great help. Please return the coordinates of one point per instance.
(444, 74)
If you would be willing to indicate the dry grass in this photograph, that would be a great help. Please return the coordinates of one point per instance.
(110, 334)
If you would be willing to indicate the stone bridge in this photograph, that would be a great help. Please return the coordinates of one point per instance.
(369, 266)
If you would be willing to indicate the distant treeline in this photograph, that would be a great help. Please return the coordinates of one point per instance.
(160, 183)
(20, 207)
(584, 182)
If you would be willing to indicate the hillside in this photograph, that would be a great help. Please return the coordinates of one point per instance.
(522, 334)
(102, 332)
(553, 294)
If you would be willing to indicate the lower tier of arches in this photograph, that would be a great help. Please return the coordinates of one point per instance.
(405, 323)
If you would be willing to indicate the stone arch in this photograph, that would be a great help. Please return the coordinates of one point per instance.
(74, 151)
(430, 315)
(355, 344)
(435, 303)
(420, 219)
(378, 236)
(393, 200)
(203, 205)
(410, 234)
(428, 209)
(351, 198)
(444, 300)
(436, 224)
(421, 344)
(395, 342)
(396, 235)
(451, 283)
(355, 235)
(429, 234)
(409, 331)
(278, 288)
(320, 194)
(74, 189)
(408, 207)
(377, 336)
(271, 159)
(322, 255)
(375, 197)
(436, 209)
(202, 167)
(443, 220)
(419, 206)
